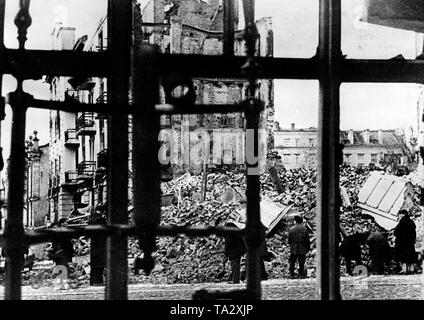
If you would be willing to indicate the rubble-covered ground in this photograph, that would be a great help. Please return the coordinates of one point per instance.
(196, 260)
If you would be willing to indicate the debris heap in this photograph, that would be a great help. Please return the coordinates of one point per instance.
(196, 260)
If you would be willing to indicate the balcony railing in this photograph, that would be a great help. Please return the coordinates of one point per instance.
(71, 138)
(72, 95)
(102, 98)
(102, 159)
(86, 169)
(86, 124)
(71, 177)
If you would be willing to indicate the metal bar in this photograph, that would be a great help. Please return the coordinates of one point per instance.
(125, 109)
(31, 64)
(36, 63)
(2, 9)
(223, 67)
(119, 46)
(228, 28)
(146, 167)
(403, 71)
(328, 265)
(14, 229)
(45, 235)
(255, 237)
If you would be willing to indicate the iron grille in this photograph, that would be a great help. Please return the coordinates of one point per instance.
(329, 66)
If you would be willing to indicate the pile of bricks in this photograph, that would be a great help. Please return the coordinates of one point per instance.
(197, 260)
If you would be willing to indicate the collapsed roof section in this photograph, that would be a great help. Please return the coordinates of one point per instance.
(383, 195)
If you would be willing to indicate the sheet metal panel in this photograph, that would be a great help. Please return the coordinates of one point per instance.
(379, 192)
(395, 191)
(368, 187)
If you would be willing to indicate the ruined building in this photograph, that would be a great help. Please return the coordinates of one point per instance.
(196, 27)
(78, 152)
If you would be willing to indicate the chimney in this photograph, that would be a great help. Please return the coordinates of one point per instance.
(292, 126)
(366, 136)
(380, 136)
(35, 141)
(350, 136)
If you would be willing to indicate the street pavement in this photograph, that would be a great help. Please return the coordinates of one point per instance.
(352, 288)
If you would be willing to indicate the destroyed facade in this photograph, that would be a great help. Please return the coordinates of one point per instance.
(78, 152)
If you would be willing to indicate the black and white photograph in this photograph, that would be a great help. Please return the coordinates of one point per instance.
(201, 152)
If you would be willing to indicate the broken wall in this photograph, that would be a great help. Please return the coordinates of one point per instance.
(195, 27)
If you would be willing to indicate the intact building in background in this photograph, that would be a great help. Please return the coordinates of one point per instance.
(297, 147)
(36, 187)
(77, 139)
(37, 183)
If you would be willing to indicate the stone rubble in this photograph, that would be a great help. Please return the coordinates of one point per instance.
(195, 260)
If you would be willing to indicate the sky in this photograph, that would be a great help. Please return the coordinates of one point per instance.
(295, 25)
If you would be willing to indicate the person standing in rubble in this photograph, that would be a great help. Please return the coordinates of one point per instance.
(379, 251)
(405, 235)
(98, 247)
(299, 246)
(63, 248)
(350, 250)
(235, 248)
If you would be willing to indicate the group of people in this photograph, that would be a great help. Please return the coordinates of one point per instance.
(380, 252)
(298, 239)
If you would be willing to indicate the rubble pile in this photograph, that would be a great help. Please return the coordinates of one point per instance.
(191, 260)
(195, 260)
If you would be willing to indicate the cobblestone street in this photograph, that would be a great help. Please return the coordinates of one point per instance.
(352, 288)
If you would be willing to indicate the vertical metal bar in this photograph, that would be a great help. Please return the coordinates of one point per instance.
(119, 45)
(255, 236)
(146, 165)
(2, 9)
(2, 102)
(329, 54)
(229, 27)
(14, 229)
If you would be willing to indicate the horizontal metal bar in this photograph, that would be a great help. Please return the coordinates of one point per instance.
(45, 235)
(36, 63)
(71, 106)
(202, 66)
(215, 108)
(406, 71)
(32, 64)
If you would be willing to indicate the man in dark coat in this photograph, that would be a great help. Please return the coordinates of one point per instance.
(235, 248)
(98, 248)
(379, 251)
(350, 250)
(299, 246)
(405, 242)
(63, 248)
